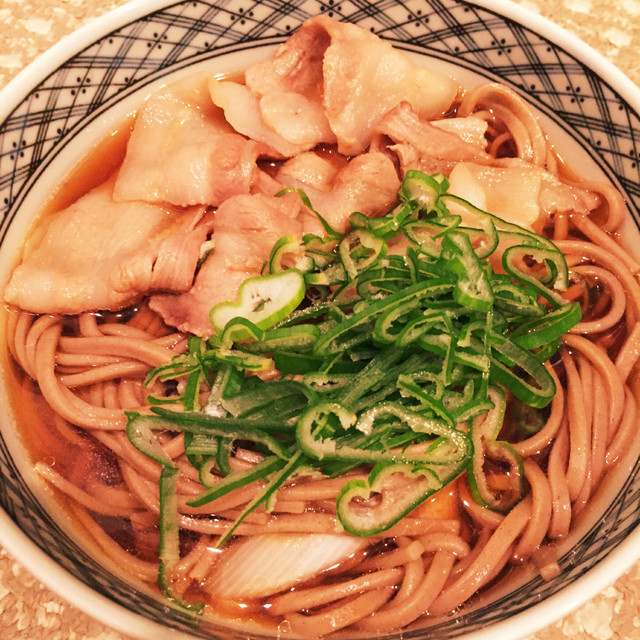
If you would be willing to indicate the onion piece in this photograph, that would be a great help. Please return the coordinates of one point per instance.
(269, 563)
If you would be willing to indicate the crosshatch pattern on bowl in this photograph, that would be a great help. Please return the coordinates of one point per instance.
(186, 33)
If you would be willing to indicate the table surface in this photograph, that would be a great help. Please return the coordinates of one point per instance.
(28, 609)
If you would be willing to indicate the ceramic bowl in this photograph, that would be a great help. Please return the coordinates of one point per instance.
(58, 105)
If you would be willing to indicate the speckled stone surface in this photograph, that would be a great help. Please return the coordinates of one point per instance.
(29, 610)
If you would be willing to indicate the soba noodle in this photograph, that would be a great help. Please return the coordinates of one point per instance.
(90, 367)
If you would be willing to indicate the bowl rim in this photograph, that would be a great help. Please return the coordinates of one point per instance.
(134, 625)
(74, 591)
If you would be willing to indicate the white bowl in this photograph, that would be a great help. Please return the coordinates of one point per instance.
(89, 80)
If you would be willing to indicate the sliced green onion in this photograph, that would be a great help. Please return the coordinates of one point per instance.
(396, 364)
(264, 300)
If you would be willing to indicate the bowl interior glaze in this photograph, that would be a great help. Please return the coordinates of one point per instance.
(110, 69)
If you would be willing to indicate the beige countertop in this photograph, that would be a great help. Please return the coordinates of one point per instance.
(30, 611)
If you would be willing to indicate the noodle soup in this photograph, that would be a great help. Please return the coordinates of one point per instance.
(427, 384)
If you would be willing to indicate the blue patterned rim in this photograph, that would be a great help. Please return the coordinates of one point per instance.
(130, 48)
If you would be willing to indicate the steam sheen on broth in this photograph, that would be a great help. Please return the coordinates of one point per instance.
(369, 478)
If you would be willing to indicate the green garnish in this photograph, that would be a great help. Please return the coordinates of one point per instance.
(395, 360)
(263, 300)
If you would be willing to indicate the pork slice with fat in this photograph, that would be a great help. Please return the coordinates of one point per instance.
(182, 151)
(431, 148)
(245, 229)
(367, 183)
(100, 254)
(354, 75)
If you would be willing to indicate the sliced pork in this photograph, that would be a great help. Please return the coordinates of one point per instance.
(297, 64)
(347, 78)
(183, 152)
(367, 183)
(431, 148)
(100, 254)
(517, 191)
(365, 77)
(242, 111)
(470, 129)
(245, 229)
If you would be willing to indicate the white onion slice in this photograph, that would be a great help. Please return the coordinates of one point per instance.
(269, 563)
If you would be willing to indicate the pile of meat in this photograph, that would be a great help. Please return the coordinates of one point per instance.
(193, 210)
